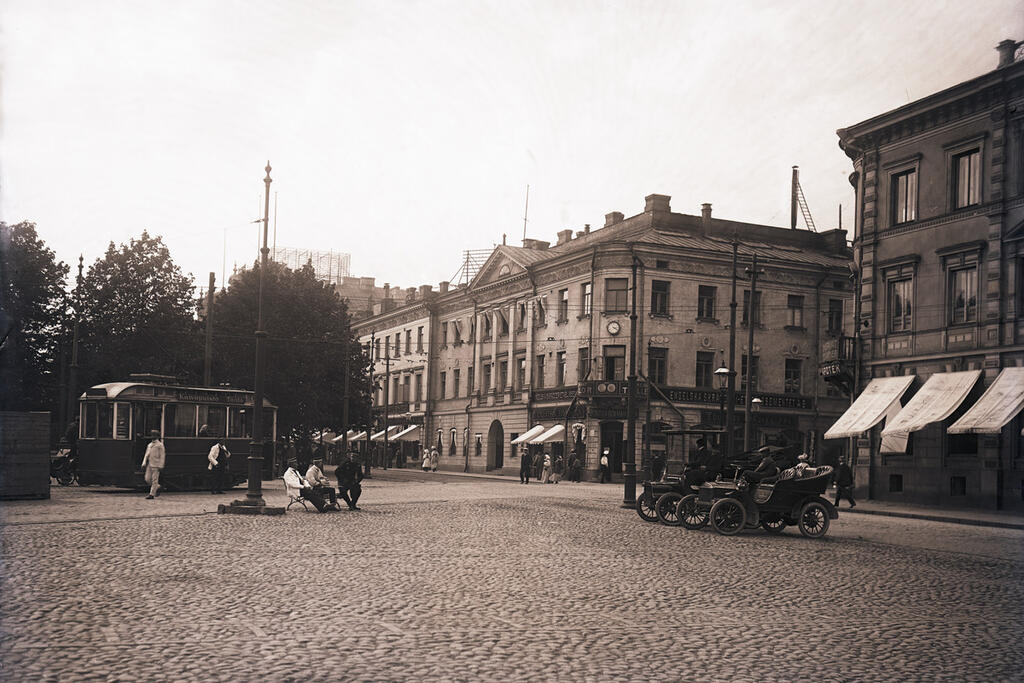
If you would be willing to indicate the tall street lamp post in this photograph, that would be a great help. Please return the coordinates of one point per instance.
(752, 309)
(725, 378)
(254, 503)
(629, 478)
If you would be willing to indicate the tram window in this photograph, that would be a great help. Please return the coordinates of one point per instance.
(268, 423)
(240, 423)
(89, 423)
(121, 421)
(105, 420)
(215, 420)
(147, 418)
(180, 419)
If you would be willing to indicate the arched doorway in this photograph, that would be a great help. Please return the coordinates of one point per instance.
(495, 446)
(611, 438)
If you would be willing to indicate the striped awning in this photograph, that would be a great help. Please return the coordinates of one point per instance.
(1000, 403)
(870, 407)
(935, 401)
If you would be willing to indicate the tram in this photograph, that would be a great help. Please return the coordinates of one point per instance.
(116, 419)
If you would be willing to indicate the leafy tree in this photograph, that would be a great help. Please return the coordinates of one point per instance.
(138, 315)
(308, 338)
(32, 313)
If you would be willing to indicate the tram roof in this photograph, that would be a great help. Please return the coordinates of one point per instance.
(170, 392)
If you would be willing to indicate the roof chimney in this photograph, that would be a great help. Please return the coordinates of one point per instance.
(705, 217)
(657, 202)
(443, 286)
(563, 237)
(1006, 49)
(539, 245)
(613, 218)
(425, 290)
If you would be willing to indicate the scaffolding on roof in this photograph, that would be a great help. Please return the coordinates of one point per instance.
(329, 266)
(472, 261)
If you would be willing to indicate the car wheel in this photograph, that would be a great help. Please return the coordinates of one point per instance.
(666, 508)
(689, 515)
(813, 520)
(645, 508)
(65, 477)
(728, 516)
(774, 525)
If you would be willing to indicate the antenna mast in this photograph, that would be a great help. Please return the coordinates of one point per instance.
(526, 211)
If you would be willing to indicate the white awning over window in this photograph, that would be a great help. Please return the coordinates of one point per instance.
(379, 436)
(870, 407)
(351, 434)
(408, 434)
(553, 434)
(357, 436)
(531, 433)
(998, 405)
(937, 399)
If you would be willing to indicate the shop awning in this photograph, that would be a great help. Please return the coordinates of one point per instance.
(553, 434)
(379, 436)
(357, 436)
(998, 405)
(531, 433)
(937, 399)
(869, 408)
(350, 434)
(408, 434)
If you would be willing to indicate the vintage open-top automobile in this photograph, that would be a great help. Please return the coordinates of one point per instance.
(788, 500)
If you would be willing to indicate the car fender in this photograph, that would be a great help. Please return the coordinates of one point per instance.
(832, 512)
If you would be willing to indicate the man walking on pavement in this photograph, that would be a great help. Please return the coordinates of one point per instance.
(349, 474)
(525, 463)
(605, 474)
(218, 458)
(844, 483)
(153, 461)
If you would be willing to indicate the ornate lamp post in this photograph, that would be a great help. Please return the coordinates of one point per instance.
(254, 503)
(724, 377)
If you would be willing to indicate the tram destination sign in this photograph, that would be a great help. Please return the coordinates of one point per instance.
(200, 396)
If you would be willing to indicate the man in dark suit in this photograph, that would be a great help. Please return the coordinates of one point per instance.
(349, 474)
(844, 483)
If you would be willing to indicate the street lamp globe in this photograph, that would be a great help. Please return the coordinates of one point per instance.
(755, 403)
(722, 375)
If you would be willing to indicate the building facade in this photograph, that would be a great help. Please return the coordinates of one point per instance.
(939, 242)
(539, 339)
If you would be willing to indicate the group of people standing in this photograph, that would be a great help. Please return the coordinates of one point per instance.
(430, 459)
(548, 469)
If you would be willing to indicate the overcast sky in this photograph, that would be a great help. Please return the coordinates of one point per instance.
(405, 132)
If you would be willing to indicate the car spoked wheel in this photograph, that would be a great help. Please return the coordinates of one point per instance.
(774, 524)
(666, 508)
(814, 520)
(689, 515)
(645, 508)
(728, 516)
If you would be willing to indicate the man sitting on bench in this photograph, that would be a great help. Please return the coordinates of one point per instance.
(320, 483)
(297, 486)
(349, 474)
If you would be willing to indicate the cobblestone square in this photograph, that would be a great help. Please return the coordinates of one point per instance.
(447, 578)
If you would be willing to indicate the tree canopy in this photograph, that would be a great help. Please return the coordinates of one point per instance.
(308, 338)
(32, 318)
(138, 315)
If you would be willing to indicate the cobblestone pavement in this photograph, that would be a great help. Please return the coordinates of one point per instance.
(445, 578)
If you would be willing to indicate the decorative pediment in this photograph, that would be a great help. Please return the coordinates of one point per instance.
(501, 265)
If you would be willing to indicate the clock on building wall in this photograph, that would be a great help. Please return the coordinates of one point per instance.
(614, 328)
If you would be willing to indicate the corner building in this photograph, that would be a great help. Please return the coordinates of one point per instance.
(939, 241)
(538, 341)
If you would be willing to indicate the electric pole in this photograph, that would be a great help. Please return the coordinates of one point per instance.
(629, 478)
(751, 308)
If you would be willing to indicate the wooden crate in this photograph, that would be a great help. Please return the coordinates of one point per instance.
(24, 455)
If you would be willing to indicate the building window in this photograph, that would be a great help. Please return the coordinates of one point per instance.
(706, 302)
(457, 331)
(794, 373)
(487, 377)
(376, 349)
(419, 339)
(583, 369)
(521, 317)
(472, 328)
(958, 486)
(657, 365)
(615, 289)
(614, 362)
(904, 196)
(540, 314)
(451, 442)
(835, 316)
(963, 298)
(398, 344)
(455, 382)
(560, 369)
(895, 483)
(962, 444)
(488, 324)
(502, 375)
(502, 324)
(563, 305)
(587, 295)
(705, 370)
(444, 385)
(967, 179)
(753, 373)
(900, 305)
(406, 388)
(746, 307)
(659, 297)
(538, 372)
(470, 380)
(408, 341)
(794, 311)
(521, 372)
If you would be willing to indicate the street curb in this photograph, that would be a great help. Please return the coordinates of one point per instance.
(937, 518)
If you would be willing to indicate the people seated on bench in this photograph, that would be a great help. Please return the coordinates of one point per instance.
(766, 469)
(706, 465)
(320, 484)
(349, 474)
(297, 486)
